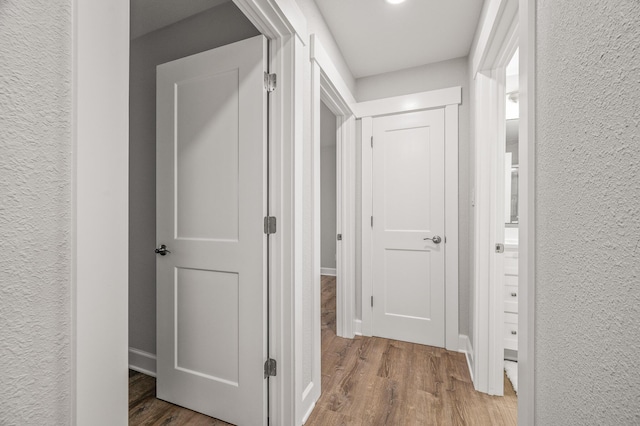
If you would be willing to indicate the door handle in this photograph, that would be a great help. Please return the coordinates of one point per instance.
(162, 250)
(436, 239)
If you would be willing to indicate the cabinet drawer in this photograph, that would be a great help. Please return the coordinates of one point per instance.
(511, 298)
(510, 263)
(511, 331)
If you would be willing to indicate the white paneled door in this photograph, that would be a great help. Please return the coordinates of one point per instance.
(211, 201)
(408, 227)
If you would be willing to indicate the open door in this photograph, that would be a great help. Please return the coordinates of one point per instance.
(211, 202)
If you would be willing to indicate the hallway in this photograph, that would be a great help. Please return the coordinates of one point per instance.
(366, 381)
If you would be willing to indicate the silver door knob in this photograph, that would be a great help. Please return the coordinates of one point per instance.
(162, 250)
(436, 239)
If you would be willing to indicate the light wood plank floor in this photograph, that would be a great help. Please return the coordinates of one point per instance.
(374, 381)
(366, 381)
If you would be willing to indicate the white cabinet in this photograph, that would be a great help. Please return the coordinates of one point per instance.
(511, 297)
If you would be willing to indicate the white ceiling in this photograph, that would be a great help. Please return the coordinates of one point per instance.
(377, 37)
(151, 15)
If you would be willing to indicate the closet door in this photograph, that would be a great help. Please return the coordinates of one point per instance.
(408, 227)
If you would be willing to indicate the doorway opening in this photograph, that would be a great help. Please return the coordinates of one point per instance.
(329, 234)
(498, 158)
(510, 219)
(198, 185)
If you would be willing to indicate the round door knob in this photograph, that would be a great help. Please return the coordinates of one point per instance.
(436, 239)
(162, 250)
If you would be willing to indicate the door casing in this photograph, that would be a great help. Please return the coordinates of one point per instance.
(327, 86)
(448, 99)
(489, 82)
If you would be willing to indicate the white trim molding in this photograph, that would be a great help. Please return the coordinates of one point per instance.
(142, 362)
(330, 272)
(333, 77)
(527, 219)
(365, 230)
(491, 58)
(449, 100)
(328, 86)
(308, 399)
(466, 348)
(100, 200)
(451, 225)
(308, 413)
(357, 327)
(406, 103)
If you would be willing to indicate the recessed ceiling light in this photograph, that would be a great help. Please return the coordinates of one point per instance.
(395, 1)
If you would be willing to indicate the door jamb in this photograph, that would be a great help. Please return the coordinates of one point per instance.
(328, 86)
(490, 83)
(527, 217)
(489, 271)
(448, 99)
(95, 192)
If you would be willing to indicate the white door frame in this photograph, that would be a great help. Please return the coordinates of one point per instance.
(526, 211)
(500, 16)
(328, 86)
(489, 318)
(100, 203)
(449, 99)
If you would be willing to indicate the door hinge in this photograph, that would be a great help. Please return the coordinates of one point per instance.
(371, 141)
(499, 248)
(339, 237)
(372, 301)
(372, 221)
(269, 225)
(270, 368)
(270, 82)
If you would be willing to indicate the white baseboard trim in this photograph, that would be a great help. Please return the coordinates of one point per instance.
(357, 327)
(308, 413)
(328, 271)
(142, 362)
(467, 350)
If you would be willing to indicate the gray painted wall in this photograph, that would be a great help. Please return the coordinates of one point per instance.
(35, 212)
(327, 187)
(212, 28)
(419, 79)
(587, 213)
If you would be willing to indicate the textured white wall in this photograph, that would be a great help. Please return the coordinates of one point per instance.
(327, 187)
(212, 28)
(424, 78)
(588, 213)
(35, 212)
